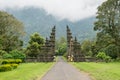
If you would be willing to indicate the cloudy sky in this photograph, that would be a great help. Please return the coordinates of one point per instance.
(73, 10)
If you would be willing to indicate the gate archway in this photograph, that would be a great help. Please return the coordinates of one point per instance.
(73, 48)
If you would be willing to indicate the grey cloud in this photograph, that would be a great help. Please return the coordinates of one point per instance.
(72, 10)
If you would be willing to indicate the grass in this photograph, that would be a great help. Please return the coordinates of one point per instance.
(100, 71)
(27, 71)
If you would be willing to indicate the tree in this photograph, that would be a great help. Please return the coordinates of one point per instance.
(86, 47)
(108, 25)
(33, 49)
(112, 51)
(36, 38)
(11, 30)
(62, 49)
(35, 44)
(60, 41)
(61, 46)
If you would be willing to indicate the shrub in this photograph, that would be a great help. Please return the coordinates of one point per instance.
(8, 61)
(7, 56)
(11, 61)
(18, 54)
(118, 59)
(14, 66)
(6, 67)
(113, 51)
(107, 58)
(0, 57)
(4, 62)
(2, 52)
(0, 61)
(101, 55)
(104, 57)
(18, 61)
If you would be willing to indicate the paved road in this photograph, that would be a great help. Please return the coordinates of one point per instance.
(64, 71)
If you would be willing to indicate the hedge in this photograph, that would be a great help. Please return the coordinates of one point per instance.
(6, 67)
(11, 61)
(9, 64)
(14, 66)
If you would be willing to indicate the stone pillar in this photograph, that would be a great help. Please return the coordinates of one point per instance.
(52, 41)
(69, 45)
(69, 38)
(73, 47)
(48, 50)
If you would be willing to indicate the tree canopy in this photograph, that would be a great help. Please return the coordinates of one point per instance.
(61, 46)
(11, 30)
(108, 27)
(35, 44)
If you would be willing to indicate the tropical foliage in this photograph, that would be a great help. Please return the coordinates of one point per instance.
(11, 30)
(108, 29)
(35, 44)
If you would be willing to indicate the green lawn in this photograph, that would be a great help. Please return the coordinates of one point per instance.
(27, 71)
(100, 71)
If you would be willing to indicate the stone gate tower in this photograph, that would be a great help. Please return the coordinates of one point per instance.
(73, 47)
(48, 50)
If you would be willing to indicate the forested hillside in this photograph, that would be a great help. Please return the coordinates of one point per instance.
(37, 20)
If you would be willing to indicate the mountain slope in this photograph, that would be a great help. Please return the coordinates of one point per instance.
(37, 20)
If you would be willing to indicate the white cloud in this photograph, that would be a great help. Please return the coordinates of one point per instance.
(72, 10)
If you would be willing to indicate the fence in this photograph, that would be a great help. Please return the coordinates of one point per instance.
(40, 58)
(83, 59)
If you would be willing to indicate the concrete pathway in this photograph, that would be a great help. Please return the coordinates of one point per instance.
(64, 71)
